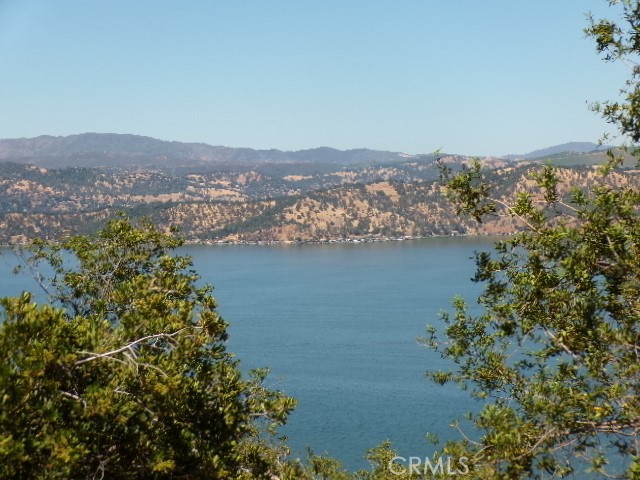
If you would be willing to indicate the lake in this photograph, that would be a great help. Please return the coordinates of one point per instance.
(337, 325)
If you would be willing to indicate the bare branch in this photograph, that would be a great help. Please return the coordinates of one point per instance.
(129, 346)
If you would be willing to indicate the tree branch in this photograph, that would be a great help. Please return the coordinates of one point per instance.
(129, 346)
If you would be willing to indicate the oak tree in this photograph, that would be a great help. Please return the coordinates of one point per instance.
(554, 349)
(123, 372)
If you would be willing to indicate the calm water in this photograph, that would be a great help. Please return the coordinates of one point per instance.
(337, 324)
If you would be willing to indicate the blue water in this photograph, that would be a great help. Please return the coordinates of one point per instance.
(337, 325)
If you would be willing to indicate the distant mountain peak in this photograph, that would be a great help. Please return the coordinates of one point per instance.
(570, 147)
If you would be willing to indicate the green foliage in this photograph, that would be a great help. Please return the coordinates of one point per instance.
(125, 373)
(469, 190)
(555, 349)
(617, 40)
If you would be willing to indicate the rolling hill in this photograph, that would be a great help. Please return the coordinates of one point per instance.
(56, 186)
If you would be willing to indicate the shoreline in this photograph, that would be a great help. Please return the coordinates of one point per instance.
(328, 241)
(337, 241)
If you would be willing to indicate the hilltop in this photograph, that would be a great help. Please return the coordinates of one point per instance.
(55, 186)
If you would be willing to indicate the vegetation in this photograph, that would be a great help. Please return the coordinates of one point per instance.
(124, 373)
(555, 350)
(368, 203)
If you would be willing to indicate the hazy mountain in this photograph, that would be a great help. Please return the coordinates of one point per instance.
(571, 147)
(123, 150)
(117, 150)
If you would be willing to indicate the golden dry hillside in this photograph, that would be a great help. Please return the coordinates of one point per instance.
(264, 203)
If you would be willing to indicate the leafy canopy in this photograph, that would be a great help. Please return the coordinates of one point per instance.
(554, 350)
(124, 374)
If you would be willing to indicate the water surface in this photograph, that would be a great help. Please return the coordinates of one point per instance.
(337, 325)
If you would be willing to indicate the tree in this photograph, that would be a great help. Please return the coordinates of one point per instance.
(555, 349)
(124, 373)
(617, 40)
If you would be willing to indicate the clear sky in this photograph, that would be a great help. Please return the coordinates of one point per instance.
(472, 77)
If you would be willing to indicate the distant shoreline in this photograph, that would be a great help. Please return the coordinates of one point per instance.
(350, 241)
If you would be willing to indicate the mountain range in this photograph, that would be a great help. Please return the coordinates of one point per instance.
(124, 150)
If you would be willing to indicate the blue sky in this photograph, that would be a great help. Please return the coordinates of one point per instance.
(470, 77)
